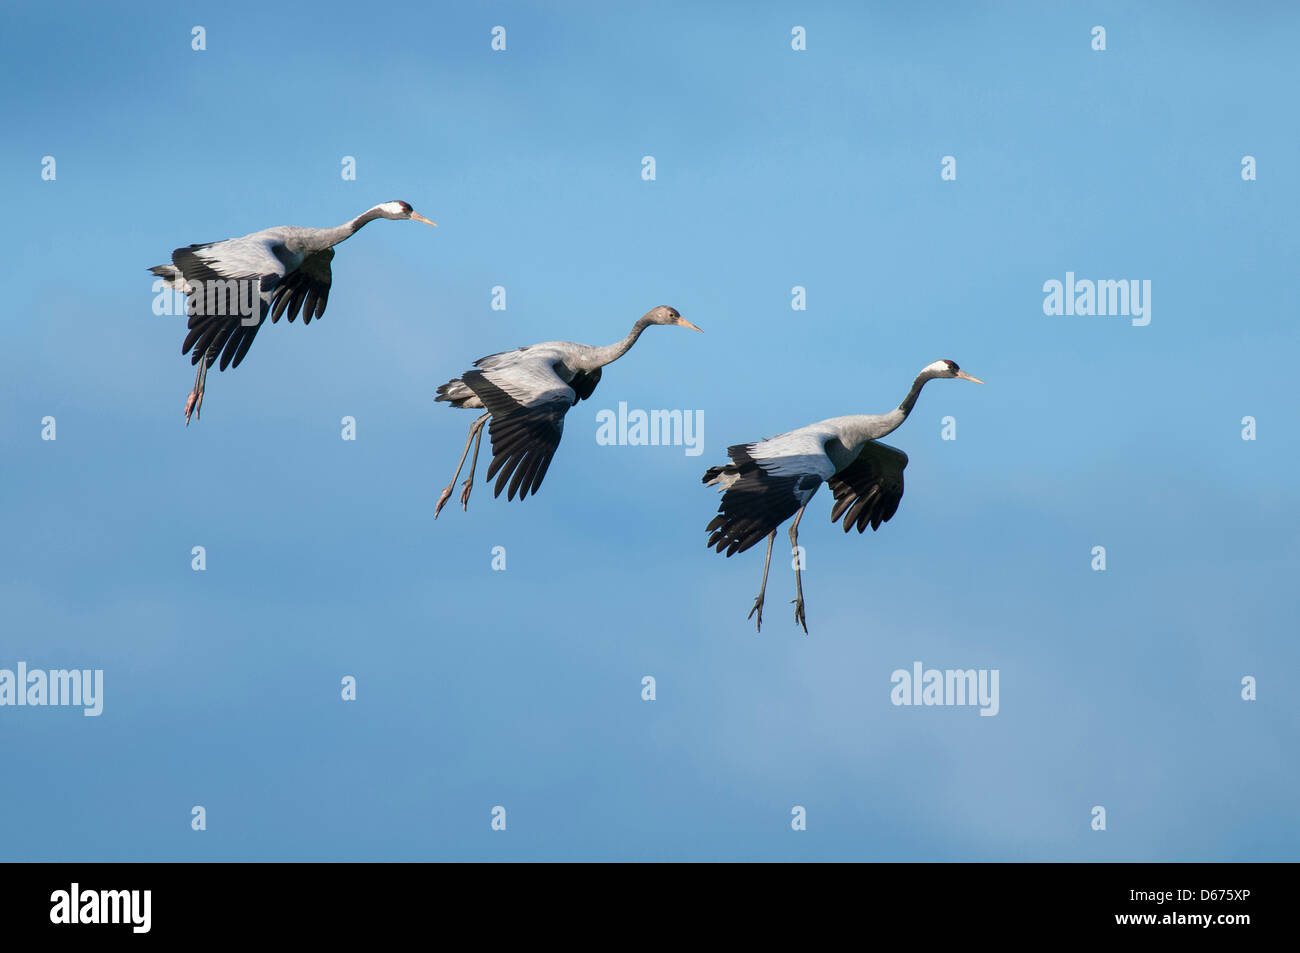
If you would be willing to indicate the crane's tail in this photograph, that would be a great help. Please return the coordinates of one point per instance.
(458, 394)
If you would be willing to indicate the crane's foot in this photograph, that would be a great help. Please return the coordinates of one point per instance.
(758, 607)
(193, 406)
(464, 494)
(798, 614)
(443, 497)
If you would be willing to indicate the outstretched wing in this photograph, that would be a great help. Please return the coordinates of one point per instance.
(765, 484)
(527, 401)
(254, 264)
(307, 286)
(870, 488)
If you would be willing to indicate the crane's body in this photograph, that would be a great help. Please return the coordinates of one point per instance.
(526, 393)
(770, 480)
(275, 270)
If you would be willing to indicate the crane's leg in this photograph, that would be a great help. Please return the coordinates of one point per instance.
(473, 464)
(475, 429)
(798, 577)
(194, 403)
(758, 602)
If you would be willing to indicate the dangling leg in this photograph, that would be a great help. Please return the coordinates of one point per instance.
(758, 602)
(476, 428)
(798, 577)
(194, 403)
(473, 464)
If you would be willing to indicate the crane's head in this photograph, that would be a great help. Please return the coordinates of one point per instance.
(666, 315)
(949, 369)
(397, 209)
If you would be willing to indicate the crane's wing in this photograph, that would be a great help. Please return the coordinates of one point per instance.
(286, 281)
(584, 383)
(502, 358)
(870, 488)
(252, 256)
(765, 484)
(307, 286)
(527, 401)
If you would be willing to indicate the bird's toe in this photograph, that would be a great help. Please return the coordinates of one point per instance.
(442, 501)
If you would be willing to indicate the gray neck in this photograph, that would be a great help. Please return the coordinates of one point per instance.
(909, 401)
(875, 426)
(600, 356)
(329, 237)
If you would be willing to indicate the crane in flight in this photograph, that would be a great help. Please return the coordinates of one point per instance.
(771, 480)
(231, 285)
(526, 393)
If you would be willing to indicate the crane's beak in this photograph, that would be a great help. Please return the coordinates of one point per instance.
(417, 217)
(966, 377)
(686, 324)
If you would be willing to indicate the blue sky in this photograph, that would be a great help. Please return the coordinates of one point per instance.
(521, 688)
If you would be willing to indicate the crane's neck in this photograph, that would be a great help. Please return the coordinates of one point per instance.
(875, 426)
(609, 353)
(909, 401)
(345, 231)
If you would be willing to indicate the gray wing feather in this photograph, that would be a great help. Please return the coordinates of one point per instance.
(288, 282)
(765, 484)
(527, 401)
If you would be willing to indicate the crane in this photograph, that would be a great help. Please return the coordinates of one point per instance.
(526, 393)
(283, 269)
(771, 480)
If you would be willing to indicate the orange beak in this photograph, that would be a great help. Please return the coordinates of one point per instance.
(686, 324)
